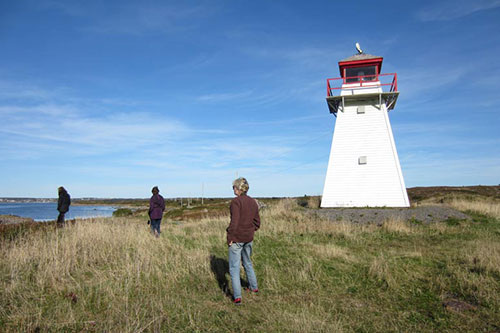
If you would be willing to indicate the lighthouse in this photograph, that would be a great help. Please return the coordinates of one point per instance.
(363, 168)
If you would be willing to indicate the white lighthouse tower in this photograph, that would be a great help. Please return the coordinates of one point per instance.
(364, 169)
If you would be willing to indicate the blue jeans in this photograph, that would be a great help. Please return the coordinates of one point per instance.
(241, 252)
(155, 225)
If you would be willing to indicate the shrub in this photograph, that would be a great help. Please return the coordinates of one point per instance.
(314, 202)
(309, 201)
(303, 201)
(120, 212)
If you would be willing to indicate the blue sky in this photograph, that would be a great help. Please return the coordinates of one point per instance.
(111, 98)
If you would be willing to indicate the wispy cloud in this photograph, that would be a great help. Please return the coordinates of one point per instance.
(417, 81)
(298, 58)
(223, 97)
(285, 120)
(20, 91)
(61, 126)
(137, 18)
(114, 132)
(453, 9)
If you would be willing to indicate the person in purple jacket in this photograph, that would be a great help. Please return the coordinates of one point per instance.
(156, 208)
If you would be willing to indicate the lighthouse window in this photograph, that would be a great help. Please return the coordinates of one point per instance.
(356, 74)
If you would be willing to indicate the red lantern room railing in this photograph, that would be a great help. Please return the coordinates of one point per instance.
(381, 88)
(388, 82)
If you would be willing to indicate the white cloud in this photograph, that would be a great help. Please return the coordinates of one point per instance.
(10, 90)
(84, 134)
(418, 81)
(59, 135)
(453, 9)
(282, 121)
(223, 97)
(139, 19)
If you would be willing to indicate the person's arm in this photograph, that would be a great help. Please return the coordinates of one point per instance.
(256, 220)
(234, 209)
(162, 204)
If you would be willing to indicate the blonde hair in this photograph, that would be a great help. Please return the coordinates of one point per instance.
(241, 184)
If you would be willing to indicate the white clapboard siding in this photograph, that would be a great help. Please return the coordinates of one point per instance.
(377, 183)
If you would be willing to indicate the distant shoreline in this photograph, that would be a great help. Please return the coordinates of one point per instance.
(106, 202)
(415, 193)
(15, 219)
(16, 212)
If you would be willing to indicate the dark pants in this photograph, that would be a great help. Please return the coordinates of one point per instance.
(60, 219)
(155, 225)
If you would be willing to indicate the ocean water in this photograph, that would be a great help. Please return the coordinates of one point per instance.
(46, 211)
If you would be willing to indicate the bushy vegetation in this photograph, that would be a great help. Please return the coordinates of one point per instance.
(309, 201)
(314, 275)
(121, 212)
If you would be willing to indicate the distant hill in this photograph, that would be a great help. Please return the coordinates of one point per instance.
(415, 194)
(428, 192)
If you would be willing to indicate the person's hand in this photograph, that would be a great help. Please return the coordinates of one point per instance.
(230, 243)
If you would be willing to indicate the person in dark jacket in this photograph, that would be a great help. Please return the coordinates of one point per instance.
(156, 208)
(63, 204)
(245, 220)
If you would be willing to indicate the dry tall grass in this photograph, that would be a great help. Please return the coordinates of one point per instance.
(283, 217)
(101, 264)
(480, 204)
(398, 225)
(314, 275)
(484, 206)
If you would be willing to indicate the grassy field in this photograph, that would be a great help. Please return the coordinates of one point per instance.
(314, 275)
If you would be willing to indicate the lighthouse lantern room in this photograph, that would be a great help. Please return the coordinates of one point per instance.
(363, 169)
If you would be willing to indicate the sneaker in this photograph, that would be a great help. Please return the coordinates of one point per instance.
(252, 290)
(237, 301)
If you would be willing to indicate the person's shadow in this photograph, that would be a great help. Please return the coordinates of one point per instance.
(220, 267)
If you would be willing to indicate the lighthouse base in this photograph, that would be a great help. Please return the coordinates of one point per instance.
(363, 169)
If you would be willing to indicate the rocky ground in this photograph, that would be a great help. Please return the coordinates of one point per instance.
(421, 214)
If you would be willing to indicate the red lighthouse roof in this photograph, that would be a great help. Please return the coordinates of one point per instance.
(360, 60)
(362, 56)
